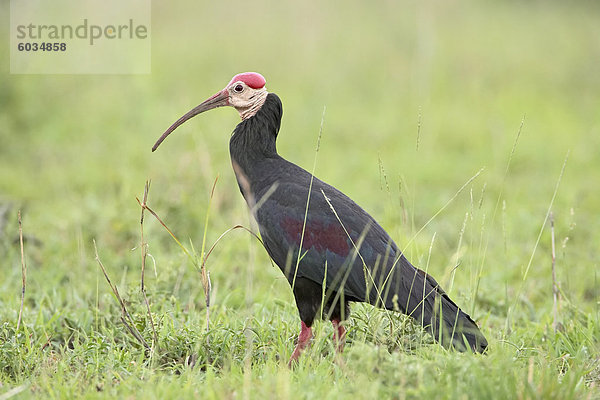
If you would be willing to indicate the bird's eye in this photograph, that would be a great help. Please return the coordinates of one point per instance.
(238, 88)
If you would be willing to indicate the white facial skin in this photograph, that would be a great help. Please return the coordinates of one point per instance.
(246, 100)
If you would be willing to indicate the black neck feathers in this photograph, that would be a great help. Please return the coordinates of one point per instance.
(254, 138)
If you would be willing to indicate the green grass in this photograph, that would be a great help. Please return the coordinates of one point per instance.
(458, 77)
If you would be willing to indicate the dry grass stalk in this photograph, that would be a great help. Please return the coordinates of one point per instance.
(125, 316)
(204, 274)
(144, 249)
(23, 271)
(537, 242)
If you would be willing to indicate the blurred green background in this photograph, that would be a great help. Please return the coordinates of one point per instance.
(418, 97)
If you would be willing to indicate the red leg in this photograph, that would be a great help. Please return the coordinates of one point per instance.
(339, 335)
(303, 342)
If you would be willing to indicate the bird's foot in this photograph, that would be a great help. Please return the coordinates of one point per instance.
(339, 335)
(303, 342)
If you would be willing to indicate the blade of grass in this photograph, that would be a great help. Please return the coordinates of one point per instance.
(312, 176)
(537, 242)
(554, 284)
(471, 179)
(502, 186)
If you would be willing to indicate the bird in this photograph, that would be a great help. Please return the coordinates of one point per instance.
(332, 252)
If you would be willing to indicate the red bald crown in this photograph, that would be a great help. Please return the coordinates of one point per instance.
(252, 79)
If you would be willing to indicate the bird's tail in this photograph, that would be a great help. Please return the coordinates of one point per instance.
(421, 297)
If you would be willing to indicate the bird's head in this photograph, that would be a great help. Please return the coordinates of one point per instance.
(245, 92)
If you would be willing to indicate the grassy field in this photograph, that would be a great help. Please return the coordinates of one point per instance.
(418, 96)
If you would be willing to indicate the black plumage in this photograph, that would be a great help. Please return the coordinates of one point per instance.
(331, 248)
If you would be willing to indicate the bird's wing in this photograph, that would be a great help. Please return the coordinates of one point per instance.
(345, 249)
(340, 238)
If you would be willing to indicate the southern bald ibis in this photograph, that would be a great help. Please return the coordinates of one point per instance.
(325, 244)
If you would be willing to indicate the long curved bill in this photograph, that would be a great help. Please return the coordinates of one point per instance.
(220, 99)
